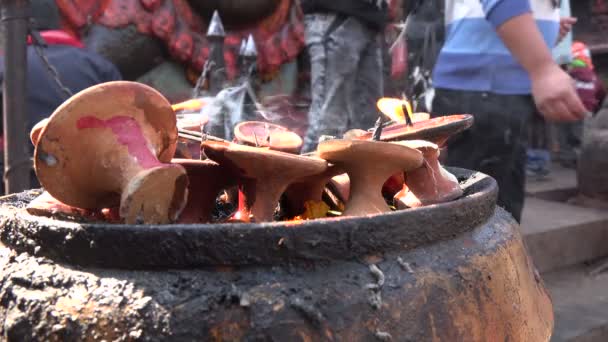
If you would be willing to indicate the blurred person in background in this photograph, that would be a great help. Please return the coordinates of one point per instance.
(592, 92)
(496, 64)
(344, 42)
(542, 133)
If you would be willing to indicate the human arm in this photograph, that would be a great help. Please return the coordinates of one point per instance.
(552, 88)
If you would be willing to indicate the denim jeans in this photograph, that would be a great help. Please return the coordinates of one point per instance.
(346, 75)
(496, 144)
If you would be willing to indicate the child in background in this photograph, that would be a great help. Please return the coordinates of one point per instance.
(591, 92)
(588, 85)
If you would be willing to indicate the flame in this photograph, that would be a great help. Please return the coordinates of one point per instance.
(190, 105)
(313, 210)
(393, 108)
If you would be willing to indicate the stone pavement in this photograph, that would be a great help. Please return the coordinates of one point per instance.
(564, 240)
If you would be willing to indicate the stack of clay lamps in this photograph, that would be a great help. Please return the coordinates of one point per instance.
(206, 180)
(368, 164)
(263, 174)
(263, 134)
(428, 184)
(108, 146)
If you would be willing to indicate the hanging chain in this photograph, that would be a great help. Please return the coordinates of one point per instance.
(203, 79)
(39, 44)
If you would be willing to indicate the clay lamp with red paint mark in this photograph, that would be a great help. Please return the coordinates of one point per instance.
(206, 179)
(263, 174)
(264, 134)
(110, 145)
(368, 165)
(428, 184)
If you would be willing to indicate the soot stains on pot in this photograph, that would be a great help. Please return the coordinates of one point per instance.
(448, 297)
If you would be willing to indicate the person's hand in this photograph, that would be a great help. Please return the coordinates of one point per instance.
(555, 96)
(565, 26)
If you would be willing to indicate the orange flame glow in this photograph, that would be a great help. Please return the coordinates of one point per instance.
(190, 105)
(393, 108)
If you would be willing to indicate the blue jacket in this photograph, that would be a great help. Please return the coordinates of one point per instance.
(475, 58)
(78, 69)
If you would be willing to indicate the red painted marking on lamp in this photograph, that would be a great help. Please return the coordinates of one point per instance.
(128, 133)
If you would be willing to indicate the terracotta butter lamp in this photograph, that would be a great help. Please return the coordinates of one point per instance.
(435, 130)
(110, 145)
(428, 184)
(310, 190)
(368, 165)
(206, 179)
(263, 134)
(263, 174)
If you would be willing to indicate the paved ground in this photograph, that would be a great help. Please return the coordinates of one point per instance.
(564, 240)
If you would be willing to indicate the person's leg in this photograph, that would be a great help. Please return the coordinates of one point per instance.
(496, 144)
(316, 25)
(334, 77)
(368, 85)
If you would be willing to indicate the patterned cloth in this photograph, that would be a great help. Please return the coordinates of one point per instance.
(279, 37)
(346, 75)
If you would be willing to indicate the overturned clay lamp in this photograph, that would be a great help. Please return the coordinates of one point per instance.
(263, 174)
(206, 180)
(428, 184)
(309, 191)
(436, 130)
(107, 146)
(263, 134)
(368, 165)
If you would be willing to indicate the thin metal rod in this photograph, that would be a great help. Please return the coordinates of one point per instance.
(15, 19)
(198, 136)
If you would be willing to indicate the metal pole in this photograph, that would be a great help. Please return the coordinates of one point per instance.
(17, 163)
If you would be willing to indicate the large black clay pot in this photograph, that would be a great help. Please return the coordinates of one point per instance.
(456, 271)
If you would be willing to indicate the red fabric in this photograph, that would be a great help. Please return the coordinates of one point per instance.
(279, 38)
(399, 59)
(58, 37)
(589, 87)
